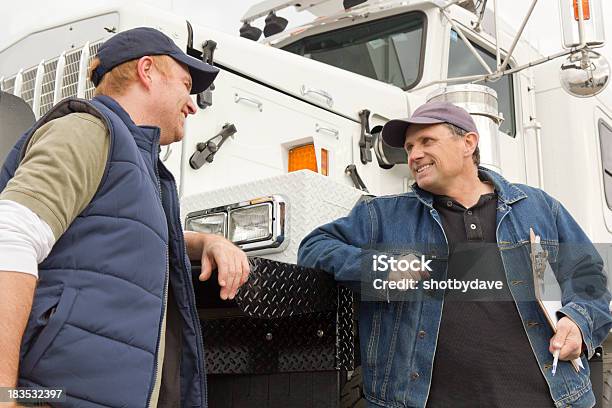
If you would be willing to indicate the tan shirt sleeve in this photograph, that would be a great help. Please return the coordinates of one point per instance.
(61, 170)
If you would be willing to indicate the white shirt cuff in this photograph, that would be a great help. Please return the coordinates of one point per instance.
(25, 239)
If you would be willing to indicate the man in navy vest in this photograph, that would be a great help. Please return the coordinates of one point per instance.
(95, 282)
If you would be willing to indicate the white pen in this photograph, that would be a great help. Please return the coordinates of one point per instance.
(555, 361)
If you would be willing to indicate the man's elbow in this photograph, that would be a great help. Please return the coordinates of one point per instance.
(307, 252)
(304, 254)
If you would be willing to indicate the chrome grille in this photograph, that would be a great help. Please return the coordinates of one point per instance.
(9, 85)
(27, 86)
(89, 86)
(71, 74)
(69, 80)
(48, 87)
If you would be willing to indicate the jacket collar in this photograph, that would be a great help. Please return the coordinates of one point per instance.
(146, 137)
(507, 192)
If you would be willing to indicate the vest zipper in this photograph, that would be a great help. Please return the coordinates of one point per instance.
(194, 316)
(197, 326)
(165, 293)
(192, 310)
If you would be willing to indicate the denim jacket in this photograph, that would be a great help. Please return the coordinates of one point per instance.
(398, 339)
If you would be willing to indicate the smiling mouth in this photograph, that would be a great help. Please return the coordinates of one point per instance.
(422, 168)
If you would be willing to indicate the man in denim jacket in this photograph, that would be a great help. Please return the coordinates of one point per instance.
(416, 352)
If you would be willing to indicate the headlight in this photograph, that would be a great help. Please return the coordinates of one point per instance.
(209, 224)
(253, 223)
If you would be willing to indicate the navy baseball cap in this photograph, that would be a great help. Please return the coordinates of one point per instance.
(431, 113)
(138, 42)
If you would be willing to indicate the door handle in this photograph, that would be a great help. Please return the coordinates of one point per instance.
(319, 129)
(259, 104)
(328, 98)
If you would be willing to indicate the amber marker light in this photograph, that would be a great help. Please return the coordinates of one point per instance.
(303, 158)
(585, 10)
(324, 162)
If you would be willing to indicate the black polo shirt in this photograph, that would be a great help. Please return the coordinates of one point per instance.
(483, 356)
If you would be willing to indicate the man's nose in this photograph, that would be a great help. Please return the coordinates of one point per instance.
(191, 108)
(415, 154)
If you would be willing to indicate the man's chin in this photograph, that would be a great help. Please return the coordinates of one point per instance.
(179, 134)
(425, 183)
(177, 137)
(168, 141)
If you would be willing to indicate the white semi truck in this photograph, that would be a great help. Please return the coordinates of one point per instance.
(287, 138)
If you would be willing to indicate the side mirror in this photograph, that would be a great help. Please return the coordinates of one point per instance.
(249, 32)
(274, 24)
(584, 73)
(386, 155)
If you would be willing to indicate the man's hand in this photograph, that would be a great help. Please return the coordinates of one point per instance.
(568, 339)
(217, 252)
(415, 276)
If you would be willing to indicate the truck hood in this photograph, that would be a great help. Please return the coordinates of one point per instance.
(331, 88)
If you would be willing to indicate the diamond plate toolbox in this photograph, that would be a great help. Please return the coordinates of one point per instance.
(286, 318)
(312, 200)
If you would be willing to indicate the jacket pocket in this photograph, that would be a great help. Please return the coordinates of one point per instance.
(57, 317)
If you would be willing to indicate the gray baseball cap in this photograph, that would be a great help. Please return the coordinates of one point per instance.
(431, 113)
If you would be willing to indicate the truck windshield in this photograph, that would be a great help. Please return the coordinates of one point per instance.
(461, 62)
(389, 49)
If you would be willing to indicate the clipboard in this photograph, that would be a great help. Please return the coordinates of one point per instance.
(546, 286)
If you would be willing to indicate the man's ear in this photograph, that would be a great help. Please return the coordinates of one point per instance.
(471, 142)
(145, 71)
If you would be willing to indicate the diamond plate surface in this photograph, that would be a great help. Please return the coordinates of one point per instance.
(284, 324)
(276, 289)
(313, 200)
(346, 330)
(246, 345)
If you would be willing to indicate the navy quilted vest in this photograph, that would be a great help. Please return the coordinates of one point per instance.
(98, 307)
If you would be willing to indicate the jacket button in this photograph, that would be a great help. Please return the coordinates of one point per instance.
(422, 333)
(414, 375)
